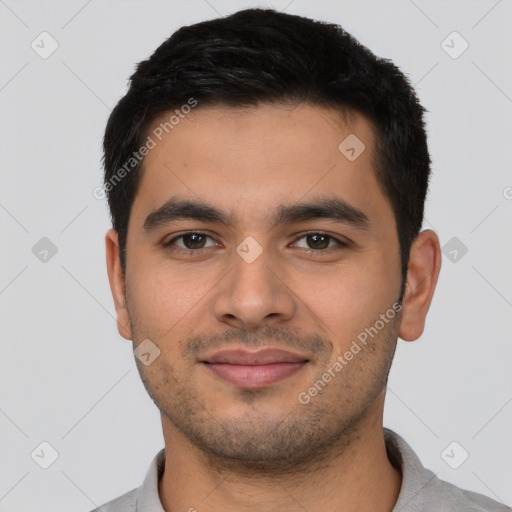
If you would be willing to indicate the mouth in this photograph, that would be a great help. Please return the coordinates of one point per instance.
(253, 370)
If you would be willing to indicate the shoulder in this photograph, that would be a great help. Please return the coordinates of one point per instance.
(144, 498)
(125, 503)
(445, 496)
(423, 491)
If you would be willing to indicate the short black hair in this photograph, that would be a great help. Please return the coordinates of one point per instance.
(257, 56)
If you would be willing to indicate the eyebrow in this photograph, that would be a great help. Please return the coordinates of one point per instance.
(334, 209)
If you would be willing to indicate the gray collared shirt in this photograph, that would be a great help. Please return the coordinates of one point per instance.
(421, 490)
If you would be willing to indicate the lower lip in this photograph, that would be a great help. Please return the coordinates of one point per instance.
(247, 376)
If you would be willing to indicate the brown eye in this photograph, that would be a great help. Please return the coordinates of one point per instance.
(191, 241)
(194, 241)
(319, 242)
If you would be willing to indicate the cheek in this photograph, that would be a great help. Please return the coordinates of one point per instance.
(163, 300)
(347, 301)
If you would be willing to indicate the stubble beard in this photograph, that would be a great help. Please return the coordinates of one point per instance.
(266, 444)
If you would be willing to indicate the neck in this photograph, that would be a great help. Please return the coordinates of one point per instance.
(356, 477)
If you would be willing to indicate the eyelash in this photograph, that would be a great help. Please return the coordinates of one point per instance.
(339, 243)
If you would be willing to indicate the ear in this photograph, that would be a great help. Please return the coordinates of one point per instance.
(423, 271)
(117, 283)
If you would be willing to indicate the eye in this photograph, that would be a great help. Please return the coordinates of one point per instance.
(320, 241)
(191, 241)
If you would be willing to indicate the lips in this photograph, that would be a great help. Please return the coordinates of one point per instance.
(254, 369)
(262, 357)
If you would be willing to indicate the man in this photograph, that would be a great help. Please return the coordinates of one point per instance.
(266, 176)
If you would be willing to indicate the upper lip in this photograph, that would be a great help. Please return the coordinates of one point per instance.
(261, 357)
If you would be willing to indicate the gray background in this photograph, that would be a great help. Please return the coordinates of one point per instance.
(69, 379)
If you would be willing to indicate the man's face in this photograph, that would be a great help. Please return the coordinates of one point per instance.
(300, 282)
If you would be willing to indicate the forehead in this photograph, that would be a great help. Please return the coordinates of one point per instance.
(247, 160)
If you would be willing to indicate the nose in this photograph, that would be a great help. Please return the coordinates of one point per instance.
(254, 294)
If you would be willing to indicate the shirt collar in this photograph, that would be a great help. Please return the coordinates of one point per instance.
(148, 499)
(415, 477)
